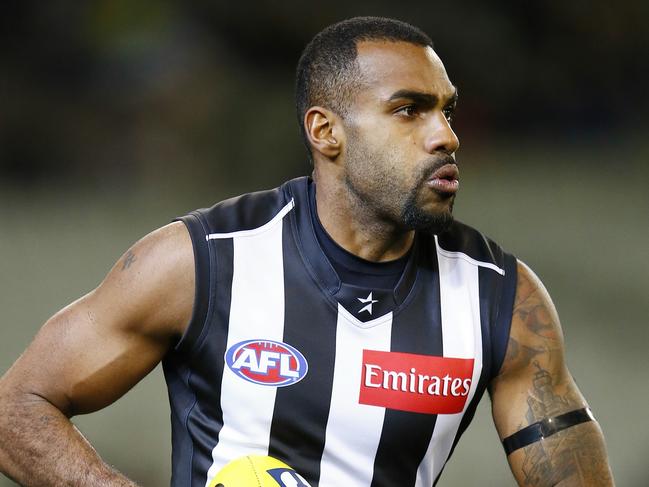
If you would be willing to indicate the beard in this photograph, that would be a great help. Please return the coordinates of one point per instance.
(373, 177)
(414, 217)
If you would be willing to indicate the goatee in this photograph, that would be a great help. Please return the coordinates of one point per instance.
(414, 218)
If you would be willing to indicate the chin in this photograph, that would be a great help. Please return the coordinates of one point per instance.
(431, 216)
(426, 221)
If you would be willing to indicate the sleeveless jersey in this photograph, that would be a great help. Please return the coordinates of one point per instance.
(351, 387)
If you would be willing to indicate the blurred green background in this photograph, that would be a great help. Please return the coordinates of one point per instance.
(117, 116)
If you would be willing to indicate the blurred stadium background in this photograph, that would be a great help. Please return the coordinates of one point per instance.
(116, 116)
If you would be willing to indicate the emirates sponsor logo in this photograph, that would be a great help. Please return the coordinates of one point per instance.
(416, 383)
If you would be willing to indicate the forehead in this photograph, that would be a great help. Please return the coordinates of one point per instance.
(390, 66)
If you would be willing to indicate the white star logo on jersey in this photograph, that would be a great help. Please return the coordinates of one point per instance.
(369, 301)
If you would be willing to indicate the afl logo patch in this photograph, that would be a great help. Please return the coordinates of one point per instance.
(267, 362)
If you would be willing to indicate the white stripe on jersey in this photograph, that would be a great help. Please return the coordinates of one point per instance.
(256, 311)
(461, 255)
(353, 429)
(461, 338)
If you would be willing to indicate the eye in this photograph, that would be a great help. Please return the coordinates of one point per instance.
(409, 111)
(448, 112)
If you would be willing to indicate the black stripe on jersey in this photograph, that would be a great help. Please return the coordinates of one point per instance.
(416, 329)
(177, 372)
(504, 311)
(245, 212)
(197, 231)
(301, 410)
(206, 419)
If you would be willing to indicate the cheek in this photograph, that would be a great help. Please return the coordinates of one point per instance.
(384, 153)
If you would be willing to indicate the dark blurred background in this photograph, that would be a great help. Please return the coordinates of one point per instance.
(117, 116)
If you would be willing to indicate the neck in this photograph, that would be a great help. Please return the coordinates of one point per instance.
(355, 227)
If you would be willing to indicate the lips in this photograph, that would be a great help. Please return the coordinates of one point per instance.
(445, 179)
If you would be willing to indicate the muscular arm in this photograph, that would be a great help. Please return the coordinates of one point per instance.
(87, 356)
(534, 384)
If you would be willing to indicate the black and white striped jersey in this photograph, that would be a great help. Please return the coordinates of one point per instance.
(350, 386)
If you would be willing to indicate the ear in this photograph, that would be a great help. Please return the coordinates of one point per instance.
(324, 131)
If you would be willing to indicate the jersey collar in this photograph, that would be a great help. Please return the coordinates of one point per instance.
(316, 260)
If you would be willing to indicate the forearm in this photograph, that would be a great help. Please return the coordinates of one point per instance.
(39, 446)
(575, 457)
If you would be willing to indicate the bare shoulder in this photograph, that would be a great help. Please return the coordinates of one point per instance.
(155, 279)
(535, 327)
(102, 344)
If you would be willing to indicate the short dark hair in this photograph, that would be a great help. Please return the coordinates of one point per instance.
(327, 72)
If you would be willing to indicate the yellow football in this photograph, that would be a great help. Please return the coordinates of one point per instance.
(257, 471)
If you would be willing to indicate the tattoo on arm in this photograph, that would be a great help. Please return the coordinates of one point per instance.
(521, 355)
(576, 455)
(129, 258)
(550, 460)
(538, 333)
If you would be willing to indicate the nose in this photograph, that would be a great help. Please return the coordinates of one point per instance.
(440, 136)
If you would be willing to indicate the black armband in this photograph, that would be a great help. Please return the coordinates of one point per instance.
(546, 427)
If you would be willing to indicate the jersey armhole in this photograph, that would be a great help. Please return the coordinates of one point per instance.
(503, 322)
(202, 273)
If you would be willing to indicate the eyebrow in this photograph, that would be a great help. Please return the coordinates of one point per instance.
(425, 99)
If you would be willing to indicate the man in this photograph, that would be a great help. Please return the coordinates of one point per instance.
(345, 324)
